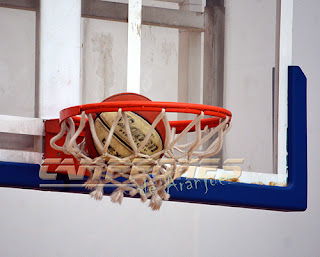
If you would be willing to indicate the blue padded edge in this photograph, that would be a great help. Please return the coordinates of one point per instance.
(293, 197)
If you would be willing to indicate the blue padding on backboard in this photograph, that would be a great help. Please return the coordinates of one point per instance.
(293, 197)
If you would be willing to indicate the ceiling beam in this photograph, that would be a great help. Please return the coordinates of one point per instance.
(161, 17)
(150, 15)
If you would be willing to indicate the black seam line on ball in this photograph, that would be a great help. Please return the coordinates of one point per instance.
(151, 125)
(98, 116)
(114, 134)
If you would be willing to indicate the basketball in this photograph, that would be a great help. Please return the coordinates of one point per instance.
(139, 122)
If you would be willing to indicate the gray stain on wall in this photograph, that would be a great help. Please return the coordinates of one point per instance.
(102, 45)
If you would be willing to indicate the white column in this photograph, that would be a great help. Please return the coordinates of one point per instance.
(283, 61)
(59, 79)
(190, 77)
(190, 60)
(134, 46)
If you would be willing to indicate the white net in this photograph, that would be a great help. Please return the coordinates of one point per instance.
(139, 174)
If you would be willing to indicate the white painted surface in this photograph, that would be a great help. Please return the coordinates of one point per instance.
(17, 62)
(285, 60)
(134, 46)
(24, 126)
(250, 55)
(21, 125)
(21, 156)
(246, 176)
(60, 56)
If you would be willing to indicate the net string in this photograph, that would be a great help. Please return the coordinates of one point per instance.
(141, 174)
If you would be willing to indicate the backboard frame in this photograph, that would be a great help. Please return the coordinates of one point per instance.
(292, 197)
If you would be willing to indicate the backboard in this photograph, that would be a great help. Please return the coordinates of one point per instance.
(235, 54)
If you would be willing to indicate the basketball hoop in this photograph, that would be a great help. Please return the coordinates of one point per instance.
(139, 173)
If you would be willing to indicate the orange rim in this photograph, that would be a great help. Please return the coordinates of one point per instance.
(216, 112)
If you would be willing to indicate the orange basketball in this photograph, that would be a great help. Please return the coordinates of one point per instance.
(139, 121)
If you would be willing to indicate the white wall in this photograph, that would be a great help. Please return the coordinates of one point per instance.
(36, 223)
(17, 62)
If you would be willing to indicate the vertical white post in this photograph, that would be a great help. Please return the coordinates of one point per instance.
(214, 56)
(134, 46)
(59, 79)
(190, 60)
(283, 61)
(190, 86)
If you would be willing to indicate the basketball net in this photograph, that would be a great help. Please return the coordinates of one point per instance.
(140, 174)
